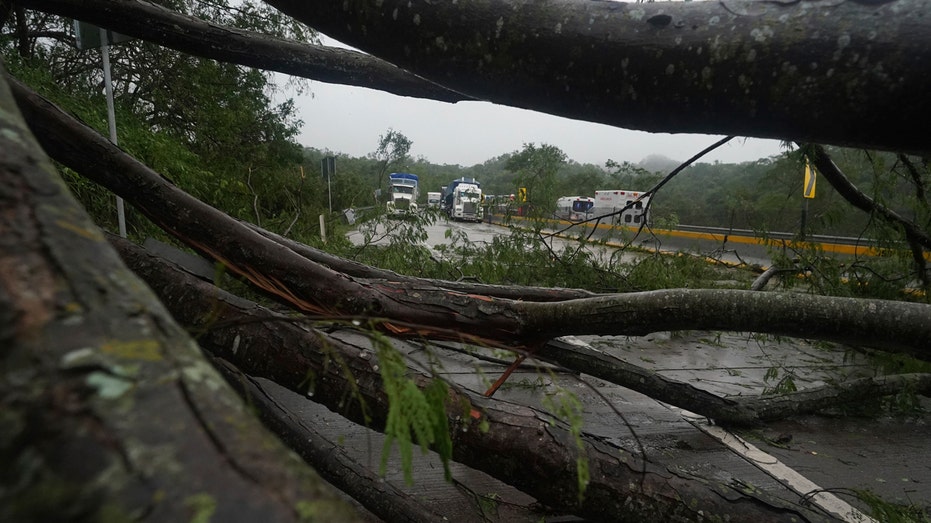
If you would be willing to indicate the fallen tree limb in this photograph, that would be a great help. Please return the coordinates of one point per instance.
(853, 321)
(727, 411)
(850, 192)
(108, 411)
(194, 36)
(767, 275)
(430, 311)
(521, 446)
(326, 457)
(628, 64)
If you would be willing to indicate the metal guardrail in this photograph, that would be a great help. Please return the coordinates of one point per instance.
(845, 245)
(788, 236)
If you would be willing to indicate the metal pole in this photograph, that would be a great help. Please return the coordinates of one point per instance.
(322, 229)
(331, 170)
(111, 118)
(804, 223)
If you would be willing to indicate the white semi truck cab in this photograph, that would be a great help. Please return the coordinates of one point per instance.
(404, 192)
(462, 200)
(467, 202)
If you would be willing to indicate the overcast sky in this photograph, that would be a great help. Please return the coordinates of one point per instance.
(350, 120)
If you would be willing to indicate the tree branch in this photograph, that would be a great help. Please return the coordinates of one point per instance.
(786, 70)
(108, 406)
(850, 192)
(921, 192)
(521, 445)
(430, 311)
(733, 411)
(327, 457)
(194, 36)
(885, 324)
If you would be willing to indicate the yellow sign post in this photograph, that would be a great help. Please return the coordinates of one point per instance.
(808, 192)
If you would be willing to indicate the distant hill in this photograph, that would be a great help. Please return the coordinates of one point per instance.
(658, 163)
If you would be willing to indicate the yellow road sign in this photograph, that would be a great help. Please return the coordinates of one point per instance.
(808, 190)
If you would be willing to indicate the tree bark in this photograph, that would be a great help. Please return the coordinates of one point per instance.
(328, 457)
(192, 35)
(518, 447)
(108, 410)
(804, 71)
(729, 411)
(737, 68)
(439, 313)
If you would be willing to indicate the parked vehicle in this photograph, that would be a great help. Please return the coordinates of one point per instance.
(632, 204)
(434, 199)
(574, 208)
(462, 200)
(404, 192)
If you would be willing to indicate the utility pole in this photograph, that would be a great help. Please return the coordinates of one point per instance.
(111, 119)
(328, 168)
(88, 37)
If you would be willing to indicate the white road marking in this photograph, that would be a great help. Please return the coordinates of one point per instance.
(778, 470)
(765, 462)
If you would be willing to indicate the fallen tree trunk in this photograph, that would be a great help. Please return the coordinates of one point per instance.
(108, 410)
(730, 411)
(327, 457)
(685, 67)
(519, 445)
(189, 34)
(425, 310)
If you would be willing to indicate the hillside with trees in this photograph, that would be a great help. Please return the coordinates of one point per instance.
(763, 195)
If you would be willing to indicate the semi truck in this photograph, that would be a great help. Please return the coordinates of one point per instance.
(434, 199)
(462, 200)
(633, 204)
(403, 193)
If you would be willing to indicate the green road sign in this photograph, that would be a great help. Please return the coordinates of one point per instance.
(89, 36)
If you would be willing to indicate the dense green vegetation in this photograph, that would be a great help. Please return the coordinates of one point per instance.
(209, 127)
(763, 195)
